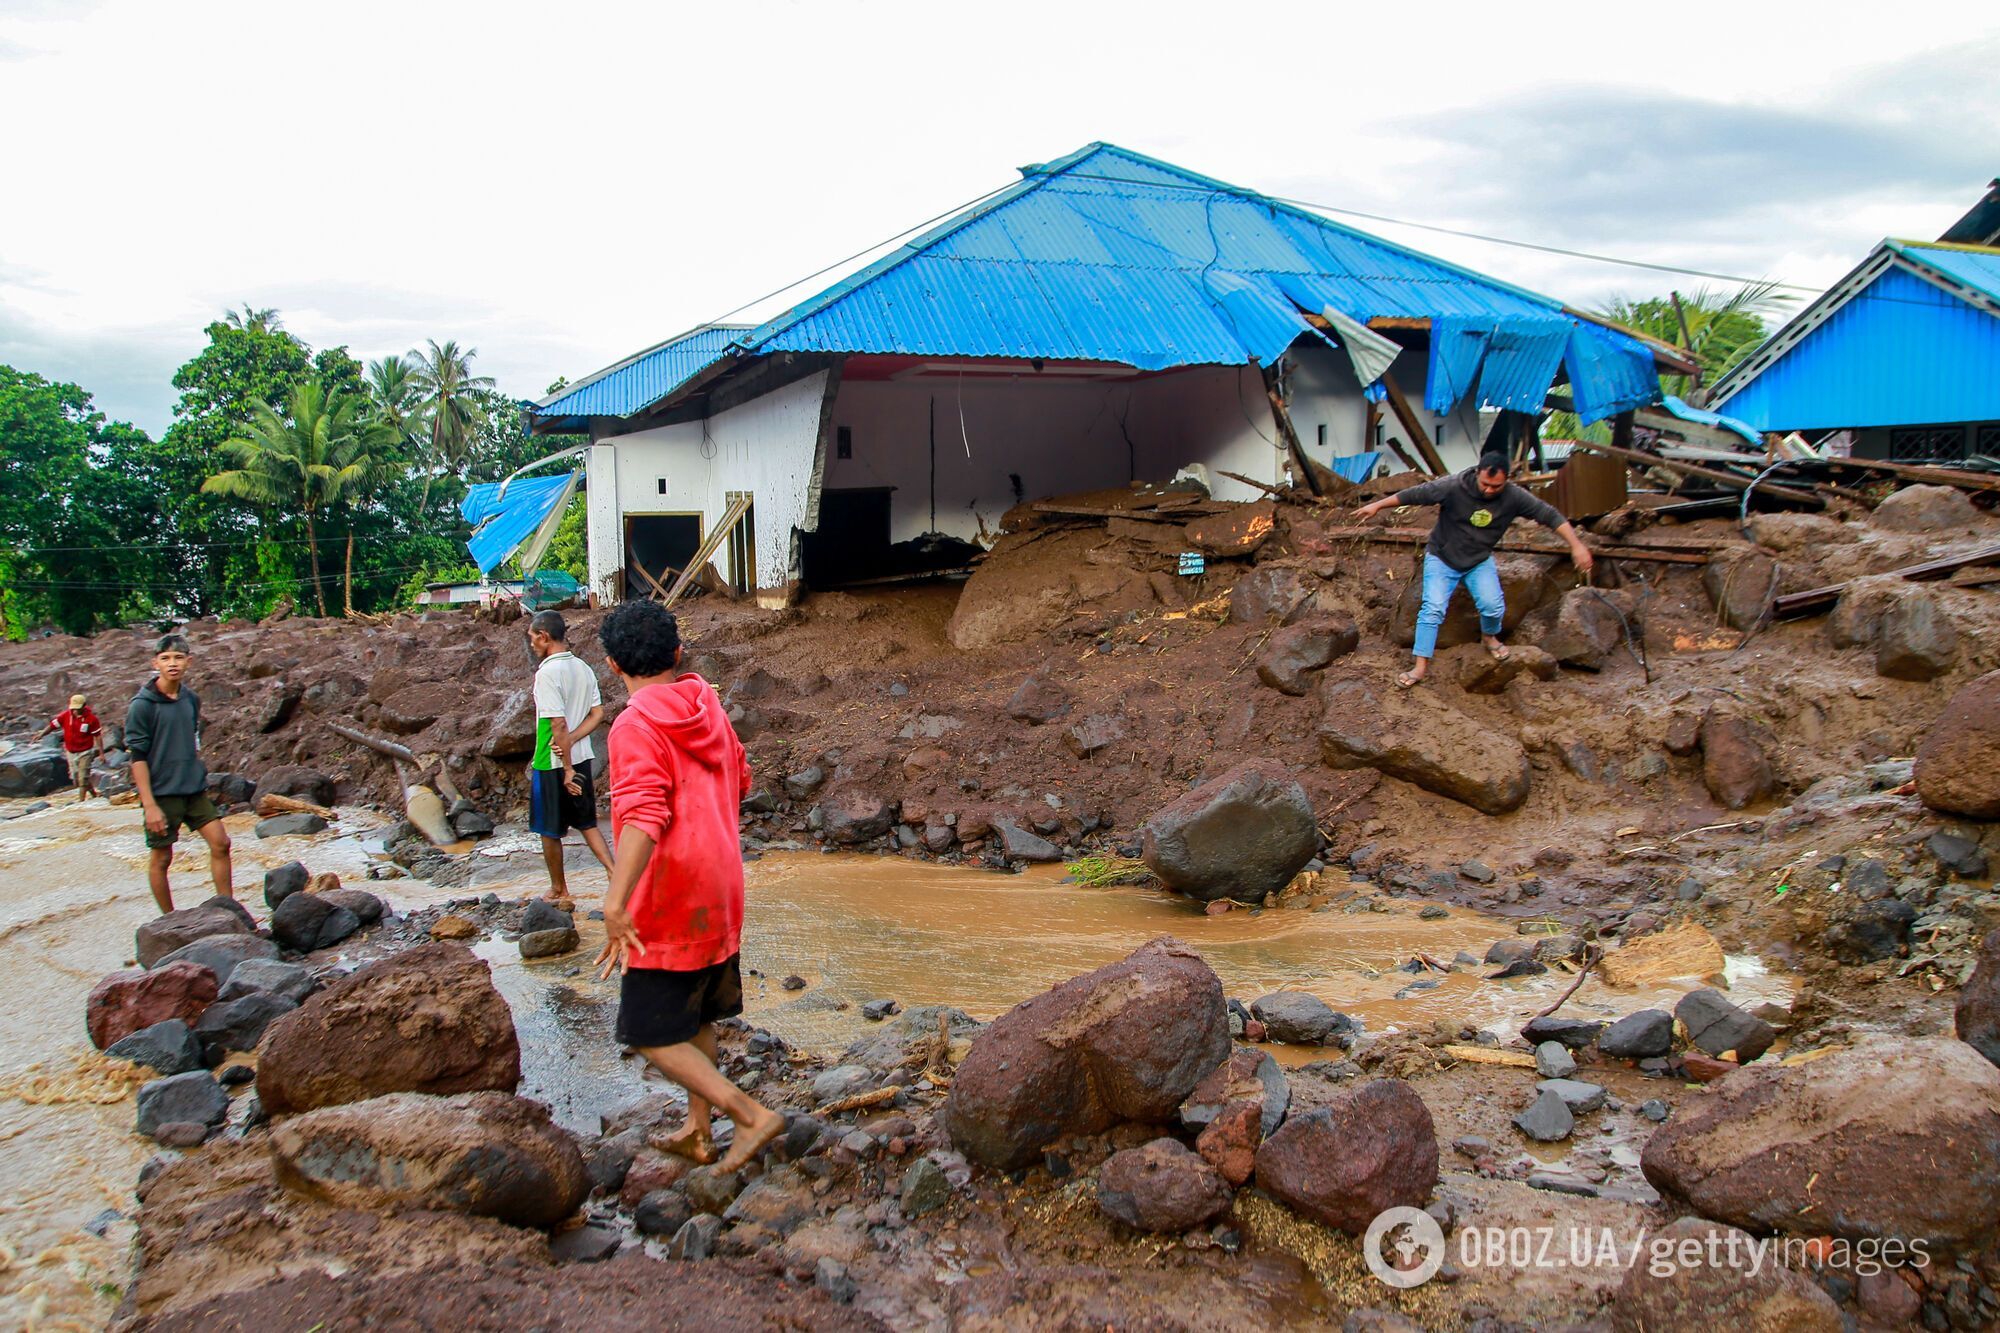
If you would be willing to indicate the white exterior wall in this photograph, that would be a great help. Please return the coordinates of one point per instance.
(766, 446)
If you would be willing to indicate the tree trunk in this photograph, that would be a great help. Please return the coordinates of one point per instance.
(312, 547)
(347, 581)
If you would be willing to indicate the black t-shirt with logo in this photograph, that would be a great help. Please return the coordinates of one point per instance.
(1469, 524)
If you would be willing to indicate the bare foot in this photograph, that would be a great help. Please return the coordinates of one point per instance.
(751, 1139)
(694, 1142)
(562, 902)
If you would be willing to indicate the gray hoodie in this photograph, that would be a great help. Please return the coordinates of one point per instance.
(1469, 525)
(165, 735)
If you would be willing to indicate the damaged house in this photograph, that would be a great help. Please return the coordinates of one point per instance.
(1109, 319)
(1898, 361)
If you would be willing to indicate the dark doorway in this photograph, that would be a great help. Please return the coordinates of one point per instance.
(852, 542)
(661, 545)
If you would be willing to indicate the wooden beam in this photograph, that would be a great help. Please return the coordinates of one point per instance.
(1814, 600)
(1940, 476)
(1411, 423)
(1728, 479)
(1694, 553)
(1282, 415)
(1398, 322)
(713, 542)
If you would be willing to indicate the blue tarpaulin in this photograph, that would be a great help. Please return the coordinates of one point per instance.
(500, 524)
(1356, 468)
(1702, 417)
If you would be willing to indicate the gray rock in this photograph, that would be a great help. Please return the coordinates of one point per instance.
(1639, 1036)
(549, 943)
(541, 914)
(1243, 835)
(925, 1187)
(1917, 640)
(1510, 950)
(1716, 1026)
(696, 1240)
(1575, 1033)
(831, 1276)
(842, 1081)
(238, 1025)
(1961, 856)
(1577, 1095)
(290, 980)
(1688, 890)
(167, 1047)
(1654, 1110)
(194, 1097)
(1548, 1120)
(280, 826)
(472, 824)
(367, 908)
(1553, 1060)
(712, 1191)
(588, 1244)
(662, 1213)
(1300, 1019)
(1871, 932)
(801, 785)
(308, 921)
(1021, 845)
(1477, 871)
(1867, 880)
(283, 881)
(877, 1010)
(181, 1134)
(223, 954)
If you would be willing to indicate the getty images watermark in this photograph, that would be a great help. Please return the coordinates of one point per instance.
(1405, 1247)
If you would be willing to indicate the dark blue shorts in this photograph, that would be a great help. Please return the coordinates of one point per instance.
(553, 811)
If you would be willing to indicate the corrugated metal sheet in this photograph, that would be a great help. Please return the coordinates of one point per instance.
(1976, 267)
(1701, 417)
(638, 383)
(1899, 352)
(500, 524)
(1107, 255)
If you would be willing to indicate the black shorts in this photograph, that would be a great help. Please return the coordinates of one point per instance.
(552, 810)
(661, 1008)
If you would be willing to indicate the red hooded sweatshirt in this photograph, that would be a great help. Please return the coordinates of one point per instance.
(678, 772)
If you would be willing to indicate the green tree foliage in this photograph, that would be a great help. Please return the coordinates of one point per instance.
(322, 451)
(70, 506)
(450, 400)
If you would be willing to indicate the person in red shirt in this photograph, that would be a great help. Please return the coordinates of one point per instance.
(82, 741)
(673, 914)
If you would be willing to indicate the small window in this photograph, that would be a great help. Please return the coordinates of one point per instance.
(843, 442)
(663, 485)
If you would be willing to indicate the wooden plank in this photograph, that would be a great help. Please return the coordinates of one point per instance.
(659, 589)
(1056, 510)
(1812, 601)
(1940, 476)
(1282, 415)
(1278, 491)
(1669, 555)
(1408, 416)
(730, 517)
(1728, 479)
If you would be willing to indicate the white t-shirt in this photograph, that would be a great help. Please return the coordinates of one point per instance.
(566, 687)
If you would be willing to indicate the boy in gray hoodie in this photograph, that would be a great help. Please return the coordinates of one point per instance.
(163, 732)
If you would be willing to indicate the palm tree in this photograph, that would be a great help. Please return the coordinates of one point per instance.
(448, 405)
(318, 454)
(254, 319)
(392, 394)
(1719, 330)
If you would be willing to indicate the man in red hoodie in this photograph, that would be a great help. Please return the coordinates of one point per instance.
(673, 915)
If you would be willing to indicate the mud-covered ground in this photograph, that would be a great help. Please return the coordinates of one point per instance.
(896, 721)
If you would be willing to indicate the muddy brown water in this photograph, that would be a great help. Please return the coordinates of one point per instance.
(855, 928)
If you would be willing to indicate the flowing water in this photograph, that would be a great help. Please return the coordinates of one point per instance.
(854, 928)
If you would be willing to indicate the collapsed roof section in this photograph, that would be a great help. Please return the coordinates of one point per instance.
(1111, 256)
(512, 515)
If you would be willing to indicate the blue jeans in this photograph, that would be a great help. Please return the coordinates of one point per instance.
(1440, 581)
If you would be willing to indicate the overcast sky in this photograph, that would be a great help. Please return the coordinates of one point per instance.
(560, 185)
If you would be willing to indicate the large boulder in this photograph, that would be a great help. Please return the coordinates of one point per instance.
(1368, 1150)
(1916, 639)
(125, 1002)
(193, 1098)
(239, 1024)
(1718, 1027)
(222, 954)
(1248, 1075)
(1127, 1042)
(162, 935)
(1925, 509)
(1527, 582)
(1590, 627)
(488, 1154)
(425, 1020)
(1243, 835)
(1958, 763)
(1271, 592)
(1365, 724)
(298, 782)
(1161, 1187)
(291, 980)
(1741, 581)
(167, 1047)
(41, 771)
(1659, 1292)
(511, 734)
(1977, 1018)
(1856, 618)
(1301, 1019)
(1293, 653)
(1828, 1146)
(308, 921)
(856, 816)
(1735, 762)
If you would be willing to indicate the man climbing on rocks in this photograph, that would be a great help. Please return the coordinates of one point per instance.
(673, 915)
(163, 733)
(568, 707)
(82, 741)
(1475, 509)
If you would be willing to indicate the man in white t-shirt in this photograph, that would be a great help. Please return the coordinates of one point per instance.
(568, 708)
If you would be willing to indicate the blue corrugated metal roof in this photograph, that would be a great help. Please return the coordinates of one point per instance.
(1108, 255)
(1897, 351)
(500, 524)
(1976, 266)
(639, 382)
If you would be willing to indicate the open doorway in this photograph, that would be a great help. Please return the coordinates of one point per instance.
(659, 546)
(852, 540)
